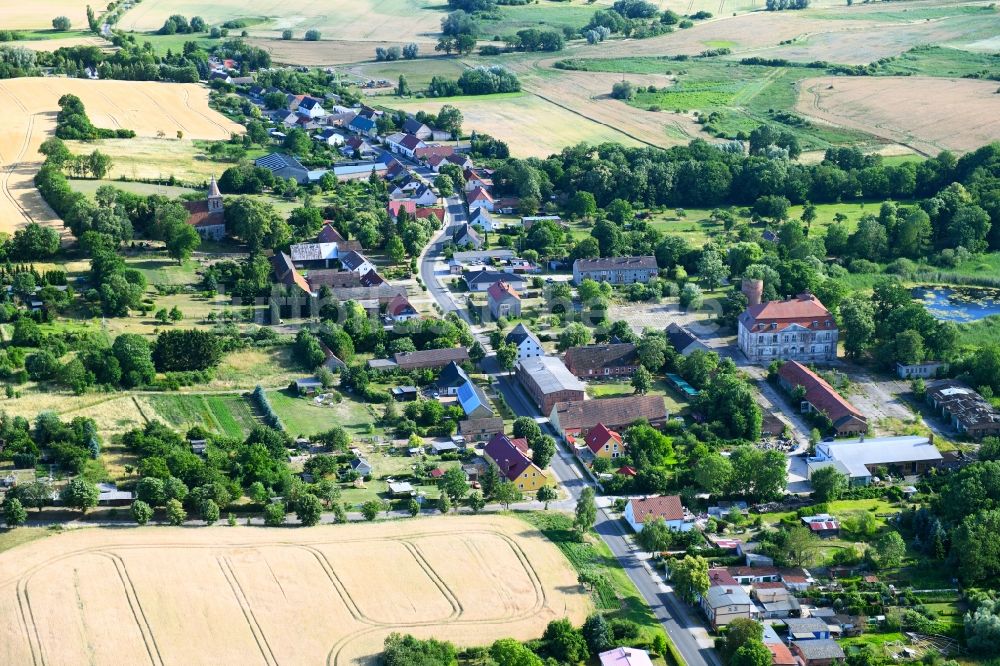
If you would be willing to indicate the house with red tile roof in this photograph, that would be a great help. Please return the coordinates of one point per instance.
(503, 299)
(479, 198)
(604, 442)
(642, 510)
(799, 329)
(781, 655)
(821, 397)
(400, 309)
(720, 576)
(396, 205)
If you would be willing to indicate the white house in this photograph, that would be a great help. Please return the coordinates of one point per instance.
(310, 107)
(527, 344)
(330, 137)
(356, 263)
(479, 198)
(481, 217)
(668, 507)
(404, 144)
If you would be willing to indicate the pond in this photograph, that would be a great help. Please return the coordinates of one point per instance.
(959, 304)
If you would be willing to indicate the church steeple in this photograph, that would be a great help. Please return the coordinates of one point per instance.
(214, 197)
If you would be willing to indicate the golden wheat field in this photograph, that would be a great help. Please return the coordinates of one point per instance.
(30, 106)
(323, 595)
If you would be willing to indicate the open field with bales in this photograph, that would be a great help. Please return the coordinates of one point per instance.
(926, 114)
(147, 108)
(221, 595)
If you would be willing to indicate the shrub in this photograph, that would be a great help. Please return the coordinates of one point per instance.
(61, 23)
(312, 35)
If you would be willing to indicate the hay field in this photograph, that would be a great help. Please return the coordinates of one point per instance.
(925, 114)
(224, 595)
(361, 21)
(69, 42)
(30, 106)
(38, 14)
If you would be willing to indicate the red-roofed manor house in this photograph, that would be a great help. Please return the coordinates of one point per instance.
(799, 329)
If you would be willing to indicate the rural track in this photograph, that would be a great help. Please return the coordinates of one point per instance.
(208, 117)
(244, 603)
(16, 162)
(28, 621)
(155, 657)
(164, 110)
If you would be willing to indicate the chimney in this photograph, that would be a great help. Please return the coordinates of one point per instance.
(753, 290)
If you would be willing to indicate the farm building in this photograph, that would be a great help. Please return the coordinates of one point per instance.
(577, 417)
(967, 411)
(284, 166)
(616, 270)
(823, 652)
(548, 382)
(594, 361)
(431, 358)
(859, 458)
(821, 397)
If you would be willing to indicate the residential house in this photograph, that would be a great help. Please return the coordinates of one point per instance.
(503, 300)
(578, 416)
(433, 212)
(822, 525)
(798, 329)
(479, 198)
(514, 465)
(723, 603)
(208, 216)
(776, 601)
(548, 382)
(465, 236)
(363, 126)
(284, 166)
(329, 137)
(400, 309)
(616, 270)
(461, 159)
(356, 263)
(755, 575)
(477, 179)
(330, 360)
(528, 345)
(859, 459)
(417, 129)
(451, 378)
(431, 358)
(925, 370)
(806, 629)
(482, 279)
(359, 147)
(310, 107)
(361, 466)
(964, 408)
(395, 206)
(719, 576)
(625, 656)
(683, 341)
(595, 361)
(640, 511)
(404, 144)
(820, 397)
(781, 655)
(424, 195)
(604, 442)
(480, 217)
(433, 154)
(473, 401)
(824, 652)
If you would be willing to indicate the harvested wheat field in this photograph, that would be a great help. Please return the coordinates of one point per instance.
(30, 106)
(69, 42)
(925, 114)
(324, 595)
(39, 13)
(398, 21)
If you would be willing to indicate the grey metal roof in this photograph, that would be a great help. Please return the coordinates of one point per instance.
(549, 373)
(727, 595)
(824, 648)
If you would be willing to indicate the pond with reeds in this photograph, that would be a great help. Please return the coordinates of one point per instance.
(959, 304)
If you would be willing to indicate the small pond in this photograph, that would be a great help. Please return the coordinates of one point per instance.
(959, 304)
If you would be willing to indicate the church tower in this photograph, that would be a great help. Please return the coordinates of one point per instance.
(214, 197)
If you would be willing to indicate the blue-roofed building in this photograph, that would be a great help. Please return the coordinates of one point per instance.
(473, 401)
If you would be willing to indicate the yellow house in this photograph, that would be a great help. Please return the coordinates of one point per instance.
(604, 443)
(514, 463)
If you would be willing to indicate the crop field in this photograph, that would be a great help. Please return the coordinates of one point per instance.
(145, 107)
(362, 21)
(39, 13)
(268, 596)
(926, 114)
(230, 415)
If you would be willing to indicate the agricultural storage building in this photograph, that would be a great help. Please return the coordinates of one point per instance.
(547, 381)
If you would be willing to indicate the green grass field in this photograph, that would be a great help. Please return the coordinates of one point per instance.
(89, 187)
(546, 13)
(943, 61)
(675, 404)
(302, 417)
(230, 415)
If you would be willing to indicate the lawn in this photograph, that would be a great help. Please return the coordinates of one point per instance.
(89, 187)
(614, 594)
(839, 509)
(675, 404)
(230, 415)
(302, 417)
(22, 535)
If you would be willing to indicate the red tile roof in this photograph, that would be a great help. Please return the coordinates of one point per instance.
(329, 234)
(600, 435)
(667, 507)
(198, 215)
(720, 577)
(522, 444)
(803, 310)
(399, 306)
(436, 473)
(575, 415)
(433, 211)
(819, 393)
(479, 194)
(780, 655)
(500, 290)
(627, 470)
(394, 206)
